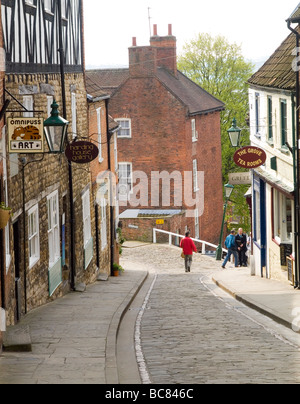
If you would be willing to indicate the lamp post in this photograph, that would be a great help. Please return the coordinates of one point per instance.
(235, 134)
(56, 128)
(228, 192)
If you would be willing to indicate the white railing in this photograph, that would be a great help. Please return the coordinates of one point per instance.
(171, 235)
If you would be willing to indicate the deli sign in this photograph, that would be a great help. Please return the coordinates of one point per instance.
(250, 157)
(82, 152)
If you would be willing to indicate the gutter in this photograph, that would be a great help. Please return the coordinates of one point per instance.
(96, 99)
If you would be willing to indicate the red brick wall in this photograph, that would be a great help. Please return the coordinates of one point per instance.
(166, 51)
(162, 136)
(145, 226)
(158, 128)
(157, 147)
(207, 150)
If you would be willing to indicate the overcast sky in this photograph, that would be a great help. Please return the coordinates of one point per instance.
(259, 26)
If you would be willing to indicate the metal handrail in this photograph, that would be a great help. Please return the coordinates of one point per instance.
(171, 235)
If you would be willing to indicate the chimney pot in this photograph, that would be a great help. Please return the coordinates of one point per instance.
(134, 41)
(155, 29)
(170, 30)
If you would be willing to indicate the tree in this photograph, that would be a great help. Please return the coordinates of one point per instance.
(220, 68)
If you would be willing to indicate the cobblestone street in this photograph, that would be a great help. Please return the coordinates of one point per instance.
(191, 336)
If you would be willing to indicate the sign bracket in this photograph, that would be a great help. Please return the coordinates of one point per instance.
(24, 109)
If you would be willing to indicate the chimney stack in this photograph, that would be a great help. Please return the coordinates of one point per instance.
(166, 50)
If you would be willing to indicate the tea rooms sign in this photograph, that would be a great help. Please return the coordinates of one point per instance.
(26, 135)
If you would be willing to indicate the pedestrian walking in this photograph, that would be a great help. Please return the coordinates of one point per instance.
(189, 248)
(241, 242)
(230, 244)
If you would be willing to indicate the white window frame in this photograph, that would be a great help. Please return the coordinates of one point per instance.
(280, 218)
(86, 213)
(33, 236)
(120, 132)
(8, 256)
(28, 103)
(50, 100)
(125, 181)
(194, 132)
(116, 152)
(195, 176)
(99, 129)
(48, 6)
(74, 115)
(103, 208)
(53, 228)
(197, 224)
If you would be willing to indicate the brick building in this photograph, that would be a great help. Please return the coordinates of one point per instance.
(169, 143)
(102, 131)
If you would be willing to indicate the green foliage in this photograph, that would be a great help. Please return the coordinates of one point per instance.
(220, 68)
(117, 267)
(121, 240)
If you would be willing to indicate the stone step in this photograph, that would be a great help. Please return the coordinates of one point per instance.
(17, 339)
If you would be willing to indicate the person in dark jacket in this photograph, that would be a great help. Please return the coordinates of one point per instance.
(241, 243)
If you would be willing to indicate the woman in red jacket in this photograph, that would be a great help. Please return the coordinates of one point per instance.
(189, 248)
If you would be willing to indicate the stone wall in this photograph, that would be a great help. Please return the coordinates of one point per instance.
(48, 174)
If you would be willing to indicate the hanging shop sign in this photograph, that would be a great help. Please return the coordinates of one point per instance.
(250, 157)
(82, 152)
(240, 178)
(25, 135)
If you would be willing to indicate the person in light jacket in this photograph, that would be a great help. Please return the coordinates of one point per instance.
(189, 248)
(231, 245)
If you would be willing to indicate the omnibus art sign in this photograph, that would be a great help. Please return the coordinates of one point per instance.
(25, 135)
(250, 157)
(81, 152)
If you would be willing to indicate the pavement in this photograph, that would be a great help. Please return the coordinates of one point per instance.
(274, 299)
(74, 339)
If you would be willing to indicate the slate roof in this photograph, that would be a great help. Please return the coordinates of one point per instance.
(95, 93)
(277, 72)
(197, 100)
(108, 80)
(190, 94)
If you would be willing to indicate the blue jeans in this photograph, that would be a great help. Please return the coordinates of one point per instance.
(236, 259)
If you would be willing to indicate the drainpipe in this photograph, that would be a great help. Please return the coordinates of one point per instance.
(296, 162)
(70, 170)
(296, 193)
(112, 222)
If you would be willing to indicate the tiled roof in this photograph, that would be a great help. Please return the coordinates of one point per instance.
(193, 96)
(277, 72)
(197, 100)
(107, 80)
